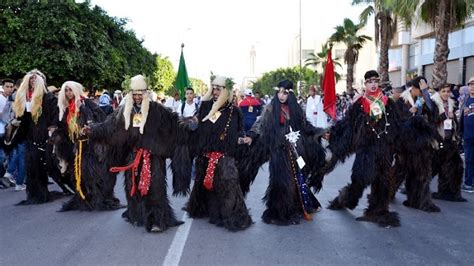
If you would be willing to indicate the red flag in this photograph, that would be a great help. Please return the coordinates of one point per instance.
(329, 86)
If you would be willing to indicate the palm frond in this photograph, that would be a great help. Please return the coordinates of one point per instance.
(357, 2)
(404, 9)
(365, 14)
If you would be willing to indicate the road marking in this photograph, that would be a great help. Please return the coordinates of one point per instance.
(177, 246)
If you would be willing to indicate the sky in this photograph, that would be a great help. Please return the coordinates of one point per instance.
(218, 34)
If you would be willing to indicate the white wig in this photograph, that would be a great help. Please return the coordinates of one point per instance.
(63, 102)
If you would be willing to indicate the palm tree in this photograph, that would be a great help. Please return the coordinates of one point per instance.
(444, 16)
(385, 28)
(314, 60)
(347, 33)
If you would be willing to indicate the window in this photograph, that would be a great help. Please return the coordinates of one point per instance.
(455, 39)
(427, 46)
(469, 35)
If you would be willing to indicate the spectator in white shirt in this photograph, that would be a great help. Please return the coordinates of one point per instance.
(5, 104)
(174, 103)
(189, 108)
(315, 109)
(5, 116)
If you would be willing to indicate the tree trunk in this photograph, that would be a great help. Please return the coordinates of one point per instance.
(440, 59)
(350, 77)
(384, 46)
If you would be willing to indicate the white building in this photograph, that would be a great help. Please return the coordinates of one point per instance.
(367, 58)
(412, 54)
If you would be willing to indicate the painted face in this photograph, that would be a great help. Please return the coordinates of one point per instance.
(137, 98)
(445, 93)
(372, 84)
(69, 93)
(283, 96)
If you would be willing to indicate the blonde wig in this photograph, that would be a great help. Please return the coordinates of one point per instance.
(39, 90)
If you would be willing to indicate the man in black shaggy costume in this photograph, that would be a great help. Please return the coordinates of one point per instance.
(36, 110)
(447, 162)
(79, 158)
(369, 130)
(292, 146)
(417, 142)
(146, 133)
(216, 192)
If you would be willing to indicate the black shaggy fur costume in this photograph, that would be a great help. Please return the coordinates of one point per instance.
(413, 163)
(447, 162)
(448, 165)
(282, 198)
(357, 133)
(38, 155)
(224, 204)
(418, 142)
(97, 182)
(64, 180)
(162, 137)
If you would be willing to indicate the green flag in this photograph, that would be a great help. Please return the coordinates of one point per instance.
(182, 80)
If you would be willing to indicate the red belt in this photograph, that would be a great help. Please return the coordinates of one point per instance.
(145, 174)
(211, 167)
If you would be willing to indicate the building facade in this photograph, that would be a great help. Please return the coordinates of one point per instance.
(367, 58)
(412, 54)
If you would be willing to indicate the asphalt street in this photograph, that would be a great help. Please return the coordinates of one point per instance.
(39, 235)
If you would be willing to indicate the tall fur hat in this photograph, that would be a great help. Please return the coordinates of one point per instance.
(225, 96)
(138, 85)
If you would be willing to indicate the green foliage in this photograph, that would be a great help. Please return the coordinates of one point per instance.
(269, 80)
(199, 86)
(126, 83)
(348, 33)
(164, 75)
(459, 10)
(229, 83)
(69, 41)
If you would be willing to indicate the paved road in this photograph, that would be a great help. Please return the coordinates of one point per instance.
(38, 235)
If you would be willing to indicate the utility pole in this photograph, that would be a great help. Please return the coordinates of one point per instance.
(301, 55)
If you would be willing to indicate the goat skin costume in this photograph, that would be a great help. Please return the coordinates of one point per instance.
(369, 129)
(216, 192)
(417, 144)
(447, 162)
(82, 159)
(36, 109)
(288, 197)
(372, 139)
(141, 137)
